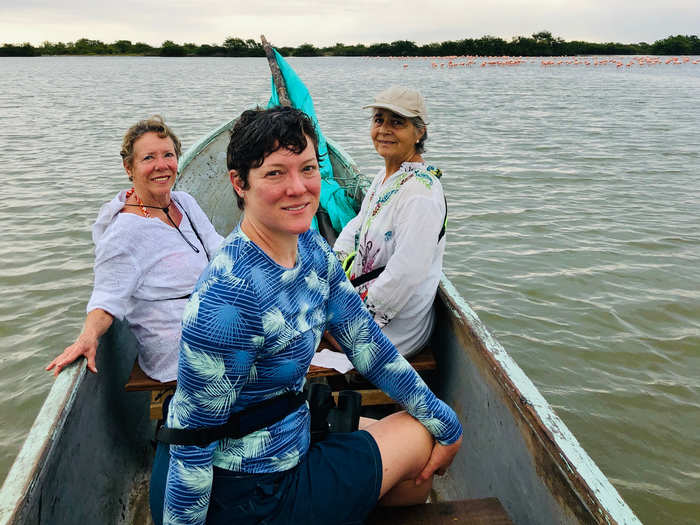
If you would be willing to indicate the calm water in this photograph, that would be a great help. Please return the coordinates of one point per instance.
(574, 199)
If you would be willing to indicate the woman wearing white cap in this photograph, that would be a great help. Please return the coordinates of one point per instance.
(397, 239)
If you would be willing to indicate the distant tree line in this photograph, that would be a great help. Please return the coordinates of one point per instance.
(539, 44)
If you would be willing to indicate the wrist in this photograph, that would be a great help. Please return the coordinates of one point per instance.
(88, 336)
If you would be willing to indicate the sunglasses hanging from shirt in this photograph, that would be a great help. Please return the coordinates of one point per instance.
(166, 210)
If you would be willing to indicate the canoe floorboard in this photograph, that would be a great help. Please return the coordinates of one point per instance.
(486, 511)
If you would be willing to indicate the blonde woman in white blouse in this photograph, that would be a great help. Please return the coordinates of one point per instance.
(151, 245)
(397, 239)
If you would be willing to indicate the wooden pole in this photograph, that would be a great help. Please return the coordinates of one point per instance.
(276, 73)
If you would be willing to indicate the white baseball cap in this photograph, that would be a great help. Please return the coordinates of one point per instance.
(403, 101)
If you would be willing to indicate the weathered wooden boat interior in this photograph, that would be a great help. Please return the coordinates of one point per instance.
(88, 455)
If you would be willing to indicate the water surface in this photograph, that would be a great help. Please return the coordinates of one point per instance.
(574, 206)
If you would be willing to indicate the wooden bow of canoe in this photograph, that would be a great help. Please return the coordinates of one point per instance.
(277, 77)
(88, 455)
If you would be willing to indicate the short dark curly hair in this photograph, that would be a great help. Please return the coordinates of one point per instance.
(259, 132)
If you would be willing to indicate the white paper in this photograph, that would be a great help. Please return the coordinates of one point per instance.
(329, 359)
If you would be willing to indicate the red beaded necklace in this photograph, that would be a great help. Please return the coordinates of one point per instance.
(147, 214)
(141, 205)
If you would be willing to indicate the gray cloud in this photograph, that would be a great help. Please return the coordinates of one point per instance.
(326, 22)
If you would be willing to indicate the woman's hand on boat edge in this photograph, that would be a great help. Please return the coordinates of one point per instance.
(96, 324)
(440, 459)
(82, 346)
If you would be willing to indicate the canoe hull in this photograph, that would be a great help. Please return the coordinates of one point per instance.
(515, 447)
(89, 451)
(515, 466)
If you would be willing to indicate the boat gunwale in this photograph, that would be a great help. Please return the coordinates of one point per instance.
(39, 442)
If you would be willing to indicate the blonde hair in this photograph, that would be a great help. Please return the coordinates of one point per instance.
(154, 124)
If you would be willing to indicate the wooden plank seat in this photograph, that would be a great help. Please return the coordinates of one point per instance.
(138, 381)
(488, 511)
(423, 362)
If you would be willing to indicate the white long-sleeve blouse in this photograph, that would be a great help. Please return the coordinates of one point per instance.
(144, 273)
(398, 227)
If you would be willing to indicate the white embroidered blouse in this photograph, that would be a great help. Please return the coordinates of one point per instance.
(398, 227)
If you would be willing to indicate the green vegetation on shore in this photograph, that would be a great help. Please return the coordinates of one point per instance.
(539, 44)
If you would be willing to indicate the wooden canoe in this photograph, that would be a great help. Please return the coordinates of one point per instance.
(87, 457)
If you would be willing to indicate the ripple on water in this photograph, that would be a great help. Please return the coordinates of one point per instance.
(572, 227)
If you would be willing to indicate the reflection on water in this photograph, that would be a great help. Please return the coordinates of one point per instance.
(574, 205)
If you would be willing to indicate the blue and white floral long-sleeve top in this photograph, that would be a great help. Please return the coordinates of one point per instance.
(249, 332)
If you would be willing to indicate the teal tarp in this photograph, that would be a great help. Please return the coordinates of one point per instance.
(334, 199)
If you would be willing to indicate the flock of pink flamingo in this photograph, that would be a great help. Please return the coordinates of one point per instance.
(615, 61)
(451, 62)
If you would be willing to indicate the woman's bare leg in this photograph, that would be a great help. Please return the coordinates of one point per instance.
(405, 446)
(407, 493)
(366, 422)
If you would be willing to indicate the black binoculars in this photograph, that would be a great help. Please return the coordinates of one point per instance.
(326, 416)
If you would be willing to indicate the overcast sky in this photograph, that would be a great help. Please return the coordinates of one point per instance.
(293, 22)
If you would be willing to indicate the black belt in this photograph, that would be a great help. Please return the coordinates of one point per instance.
(248, 420)
(168, 298)
(362, 279)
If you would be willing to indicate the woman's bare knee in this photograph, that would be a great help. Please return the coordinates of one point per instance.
(405, 446)
(366, 422)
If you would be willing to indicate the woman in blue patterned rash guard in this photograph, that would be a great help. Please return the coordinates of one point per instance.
(249, 332)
